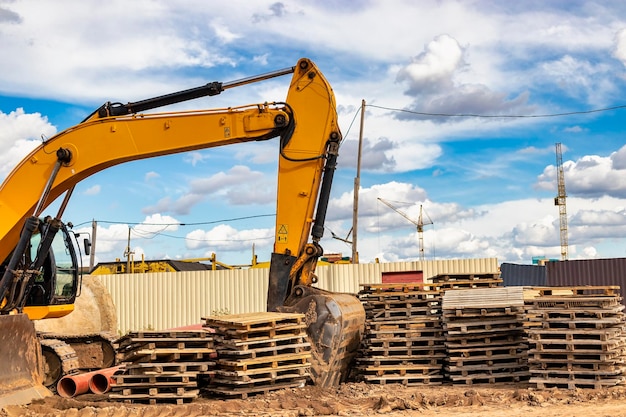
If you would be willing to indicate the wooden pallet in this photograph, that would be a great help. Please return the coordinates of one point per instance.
(401, 362)
(539, 357)
(398, 312)
(461, 357)
(257, 326)
(169, 368)
(487, 378)
(567, 383)
(409, 338)
(167, 346)
(224, 389)
(465, 277)
(396, 289)
(576, 337)
(266, 351)
(575, 303)
(483, 340)
(576, 290)
(544, 335)
(153, 397)
(406, 379)
(154, 385)
(280, 371)
(492, 326)
(469, 284)
(248, 344)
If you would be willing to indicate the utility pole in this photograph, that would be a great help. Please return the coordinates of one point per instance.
(128, 253)
(92, 253)
(559, 200)
(357, 185)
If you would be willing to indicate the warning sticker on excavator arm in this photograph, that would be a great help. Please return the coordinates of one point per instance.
(282, 233)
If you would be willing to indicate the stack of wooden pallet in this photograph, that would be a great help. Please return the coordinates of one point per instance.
(259, 352)
(403, 340)
(163, 366)
(459, 281)
(484, 335)
(577, 337)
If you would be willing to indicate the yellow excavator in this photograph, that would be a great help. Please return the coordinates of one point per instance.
(40, 277)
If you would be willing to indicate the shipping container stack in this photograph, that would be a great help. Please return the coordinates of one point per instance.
(403, 340)
(163, 366)
(484, 335)
(576, 336)
(259, 352)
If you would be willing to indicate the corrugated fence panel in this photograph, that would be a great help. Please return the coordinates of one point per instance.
(601, 272)
(348, 277)
(523, 275)
(171, 299)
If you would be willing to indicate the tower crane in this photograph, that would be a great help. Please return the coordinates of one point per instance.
(559, 200)
(419, 223)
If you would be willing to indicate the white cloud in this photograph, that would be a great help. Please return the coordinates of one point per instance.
(20, 133)
(620, 46)
(93, 190)
(226, 238)
(432, 70)
(591, 175)
(238, 186)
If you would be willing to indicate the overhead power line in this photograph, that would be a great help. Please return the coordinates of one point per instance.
(179, 224)
(494, 116)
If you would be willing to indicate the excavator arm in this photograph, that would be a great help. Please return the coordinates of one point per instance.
(306, 123)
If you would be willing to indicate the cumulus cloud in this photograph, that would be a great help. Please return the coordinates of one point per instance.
(431, 80)
(619, 51)
(227, 238)
(375, 155)
(20, 133)
(238, 186)
(9, 16)
(432, 70)
(590, 176)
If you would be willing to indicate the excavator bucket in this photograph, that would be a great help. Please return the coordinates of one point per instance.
(21, 372)
(335, 325)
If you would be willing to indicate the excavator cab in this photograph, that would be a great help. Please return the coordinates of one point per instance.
(49, 261)
(56, 287)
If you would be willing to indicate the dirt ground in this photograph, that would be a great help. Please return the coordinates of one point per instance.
(358, 399)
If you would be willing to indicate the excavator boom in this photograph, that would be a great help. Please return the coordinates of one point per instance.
(309, 136)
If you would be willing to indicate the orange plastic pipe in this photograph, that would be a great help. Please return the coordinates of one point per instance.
(101, 381)
(72, 385)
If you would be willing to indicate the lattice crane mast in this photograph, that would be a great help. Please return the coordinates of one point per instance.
(559, 200)
(419, 223)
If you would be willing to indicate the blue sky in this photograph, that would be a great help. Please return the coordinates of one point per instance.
(538, 69)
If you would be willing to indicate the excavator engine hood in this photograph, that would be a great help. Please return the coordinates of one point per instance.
(335, 325)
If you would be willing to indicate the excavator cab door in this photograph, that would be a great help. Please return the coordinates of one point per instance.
(56, 288)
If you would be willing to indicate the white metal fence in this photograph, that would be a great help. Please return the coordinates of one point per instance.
(165, 300)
